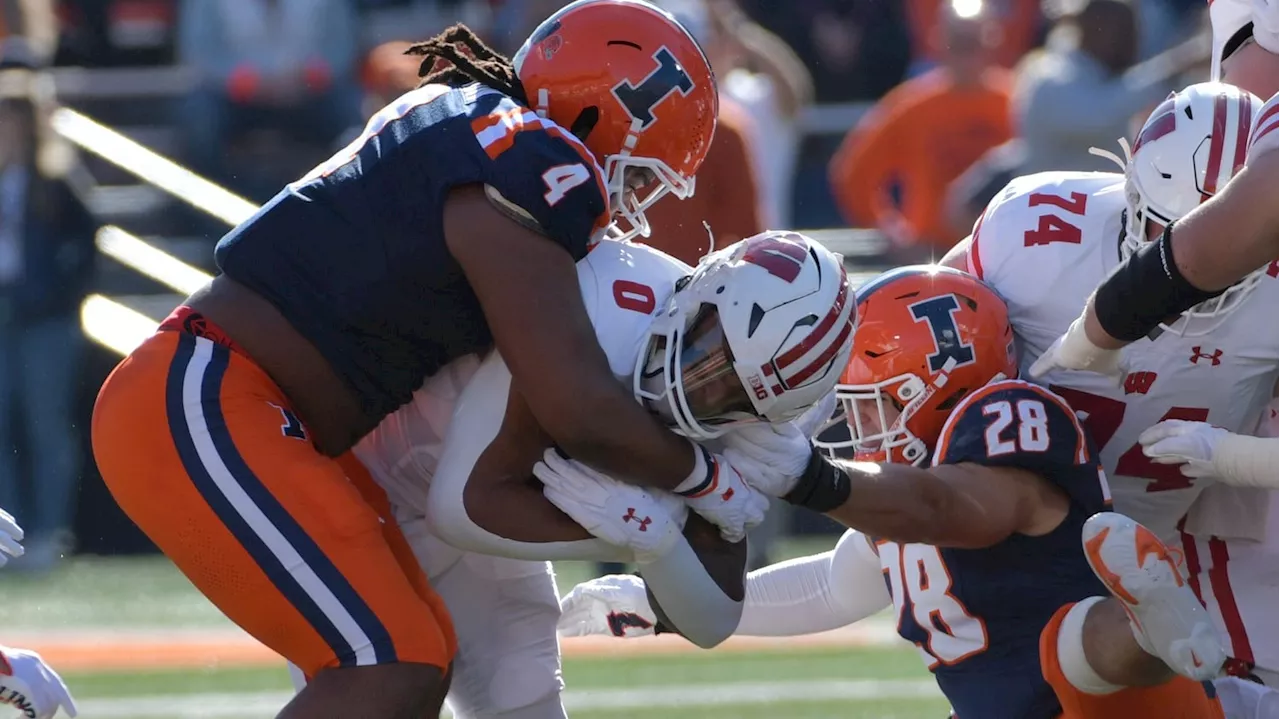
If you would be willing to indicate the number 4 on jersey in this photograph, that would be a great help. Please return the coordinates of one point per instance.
(1053, 228)
(562, 178)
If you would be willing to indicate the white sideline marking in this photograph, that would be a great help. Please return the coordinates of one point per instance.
(266, 704)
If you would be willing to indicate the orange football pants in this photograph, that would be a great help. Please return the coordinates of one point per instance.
(1179, 698)
(201, 450)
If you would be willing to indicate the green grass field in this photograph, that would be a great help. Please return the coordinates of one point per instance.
(111, 600)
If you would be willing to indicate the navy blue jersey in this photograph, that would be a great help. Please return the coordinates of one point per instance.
(976, 614)
(354, 253)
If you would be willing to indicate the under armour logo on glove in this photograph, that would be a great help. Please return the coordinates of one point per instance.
(631, 515)
(620, 622)
(618, 513)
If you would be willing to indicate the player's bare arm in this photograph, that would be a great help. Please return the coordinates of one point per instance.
(542, 329)
(1253, 68)
(501, 495)
(483, 499)
(964, 505)
(957, 258)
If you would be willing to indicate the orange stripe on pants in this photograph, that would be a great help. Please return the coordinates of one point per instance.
(200, 449)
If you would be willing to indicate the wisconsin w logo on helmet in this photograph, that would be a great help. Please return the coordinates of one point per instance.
(779, 254)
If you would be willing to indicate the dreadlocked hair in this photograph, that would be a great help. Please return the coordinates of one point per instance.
(457, 57)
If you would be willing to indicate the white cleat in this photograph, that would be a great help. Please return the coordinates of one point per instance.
(1168, 621)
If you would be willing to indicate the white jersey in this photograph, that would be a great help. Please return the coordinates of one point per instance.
(1229, 17)
(1044, 244)
(622, 285)
(1265, 135)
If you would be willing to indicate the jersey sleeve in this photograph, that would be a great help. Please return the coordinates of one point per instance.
(1017, 424)
(1265, 135)
(998, 243)
(543, 175)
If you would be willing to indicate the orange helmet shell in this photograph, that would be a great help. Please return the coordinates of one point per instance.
(943, 327)
(641, 74)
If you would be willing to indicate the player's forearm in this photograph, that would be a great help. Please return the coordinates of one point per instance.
(694, 604)
(816, 593)
(894, 502)
(1232, 234)
(1243, 461)
(1213, 247)
(900, 503)
(791, 599)
(631, 446)
(1146, 289)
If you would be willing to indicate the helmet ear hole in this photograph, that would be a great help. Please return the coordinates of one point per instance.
(585, 122)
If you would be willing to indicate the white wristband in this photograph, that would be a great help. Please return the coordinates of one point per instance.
(1243, 461)
(702, 476)
(1078, 351)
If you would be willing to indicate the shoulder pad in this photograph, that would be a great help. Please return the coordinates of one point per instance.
(623, 285)
(1012, 423)
(1036, 211)
(540, 168)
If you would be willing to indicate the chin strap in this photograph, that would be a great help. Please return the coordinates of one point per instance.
(1109, 155)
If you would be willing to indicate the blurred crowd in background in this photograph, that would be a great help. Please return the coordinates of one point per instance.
(900, 116)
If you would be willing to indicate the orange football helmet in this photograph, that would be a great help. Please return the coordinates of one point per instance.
(633, 84)
(927, 337)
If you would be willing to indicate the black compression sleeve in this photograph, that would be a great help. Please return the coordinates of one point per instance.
(823, 486)
(1145, 290)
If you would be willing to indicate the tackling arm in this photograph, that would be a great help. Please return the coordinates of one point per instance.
(480, 498)
(816, 593)
(963, 505)
(528, 288)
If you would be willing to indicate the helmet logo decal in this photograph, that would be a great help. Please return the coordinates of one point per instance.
(641, 100)
(939, 313)
(1163, 121)
(778, 255)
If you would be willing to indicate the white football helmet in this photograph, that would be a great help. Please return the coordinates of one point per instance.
(761, 330)
(1187, 150)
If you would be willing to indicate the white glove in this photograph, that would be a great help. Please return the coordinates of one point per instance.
(1075, 351)
(1191, 444)
(727, 501)
(620, 514)
(31, 686)
(817, 416)
(614, 606)
(10, 538)
(770, 456)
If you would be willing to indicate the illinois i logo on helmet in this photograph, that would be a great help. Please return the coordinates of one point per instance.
(642, 100)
